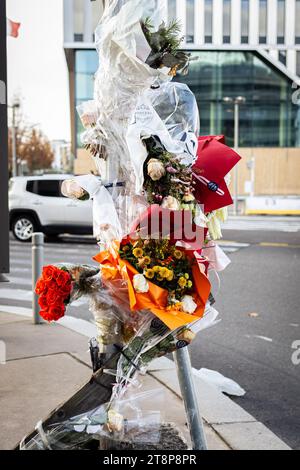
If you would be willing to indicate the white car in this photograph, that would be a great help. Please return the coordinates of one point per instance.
(36, 204)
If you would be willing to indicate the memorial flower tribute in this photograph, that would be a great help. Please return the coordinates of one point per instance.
(149, 291)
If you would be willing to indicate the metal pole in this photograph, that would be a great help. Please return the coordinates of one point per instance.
(236, 146)
(189, 397)
(4, 216)
(37, 266)
(14, 145)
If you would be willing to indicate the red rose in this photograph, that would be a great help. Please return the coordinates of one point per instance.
(48, 272)
(45, 315)
(53, 296)
(53, 314)
(43, 302)
(56, 312)
(63, 278)
(41, 286)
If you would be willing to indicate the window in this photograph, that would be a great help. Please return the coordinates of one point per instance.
(267, 119)
(50, 188)
(190, 20)
(44, 187)
(263, 18)
(208, 21)
(86, 64)
(280, 21)
(297, 22)
(282, 57)
(30, 186)
(172, 10)
(226, 21)
(244, 21)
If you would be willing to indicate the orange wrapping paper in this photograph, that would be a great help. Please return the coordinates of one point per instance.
(155, 300)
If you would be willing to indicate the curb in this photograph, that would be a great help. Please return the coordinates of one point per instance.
(236, 427)
(239, 429)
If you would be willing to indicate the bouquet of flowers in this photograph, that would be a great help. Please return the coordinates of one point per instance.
(59, 285)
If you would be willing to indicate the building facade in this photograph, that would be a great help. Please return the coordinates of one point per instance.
(248, 48)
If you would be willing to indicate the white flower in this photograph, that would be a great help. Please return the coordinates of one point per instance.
(156, 169)
(170, 202)
(140, 283)
(70, 188)
(188, 304)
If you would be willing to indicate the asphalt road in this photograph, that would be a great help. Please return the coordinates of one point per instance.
(254, 350)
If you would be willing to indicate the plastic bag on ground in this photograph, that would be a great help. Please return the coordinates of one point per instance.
(222, 383)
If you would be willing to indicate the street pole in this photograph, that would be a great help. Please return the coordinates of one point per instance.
(236, 146)
(14, 145)
(189, 397)
(37, 266)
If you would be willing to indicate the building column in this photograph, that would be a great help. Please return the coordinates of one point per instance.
(290, 12)
(88, 22)
(164, 10)
(181, 15)
(254, 22)
(291, 59)
(68, 20)
(217, 22)
(199, 22)
(272, 22)
(235, 22)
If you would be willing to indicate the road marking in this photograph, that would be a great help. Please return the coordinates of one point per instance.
(19, 280)
(278, 245)
(16, 294)
(265, 338)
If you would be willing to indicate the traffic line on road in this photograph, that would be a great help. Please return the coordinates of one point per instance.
(19, 280)
(278, 245)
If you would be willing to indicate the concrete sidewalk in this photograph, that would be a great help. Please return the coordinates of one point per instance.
(46, 364)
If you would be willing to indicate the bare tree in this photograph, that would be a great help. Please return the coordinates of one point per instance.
(32, 147)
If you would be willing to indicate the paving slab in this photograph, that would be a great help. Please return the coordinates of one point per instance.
(250, 436)
(214, 406)
(31, 388)
(24, 339)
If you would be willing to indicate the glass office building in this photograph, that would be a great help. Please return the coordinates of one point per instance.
(267, 119)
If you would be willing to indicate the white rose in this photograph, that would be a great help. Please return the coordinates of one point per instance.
(188, 304)
(140, 283)
(156, 169)
(70, 188)
(170, 202)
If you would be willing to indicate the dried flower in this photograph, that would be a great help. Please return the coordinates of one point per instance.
(186, 335)
(156, 169)
(70, 188)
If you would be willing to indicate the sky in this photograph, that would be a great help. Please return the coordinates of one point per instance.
(37, 69)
